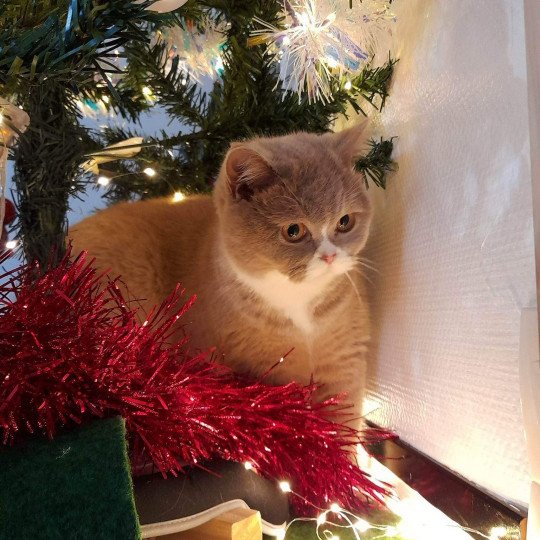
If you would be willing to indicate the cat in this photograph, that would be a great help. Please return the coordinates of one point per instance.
(272, 255)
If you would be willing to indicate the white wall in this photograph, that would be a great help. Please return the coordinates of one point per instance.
(453, 240)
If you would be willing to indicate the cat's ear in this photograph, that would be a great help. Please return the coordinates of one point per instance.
(350, 143)
(247, 172)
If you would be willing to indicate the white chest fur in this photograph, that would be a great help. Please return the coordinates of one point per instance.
(292, 299)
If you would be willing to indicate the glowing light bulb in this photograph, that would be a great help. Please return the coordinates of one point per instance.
(347, 85)
(285, 487)
(496, 533)
(149, 172)
(11, 244)
(248, 466)
(147, 91)
(332, 62)
(219, 65)
(335, 508)
(362, 525)
(177, 197)
(321, 519)
(303, 18)
(396, 506)
(103, 181)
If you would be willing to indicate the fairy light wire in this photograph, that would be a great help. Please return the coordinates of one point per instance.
(357, 524)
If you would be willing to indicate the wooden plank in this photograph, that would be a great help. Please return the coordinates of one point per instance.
(523, 529)
(239, 524)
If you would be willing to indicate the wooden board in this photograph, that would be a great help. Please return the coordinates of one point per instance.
(239, 524)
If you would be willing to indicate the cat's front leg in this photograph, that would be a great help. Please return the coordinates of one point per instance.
(341, 366)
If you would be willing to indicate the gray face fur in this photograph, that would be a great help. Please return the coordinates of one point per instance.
(267, 184)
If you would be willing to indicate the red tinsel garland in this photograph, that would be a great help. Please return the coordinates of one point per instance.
(71, 349)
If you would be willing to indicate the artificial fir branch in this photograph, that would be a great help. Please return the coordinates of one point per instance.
(376, 165)
(45, 174)
(372, 85)
(50, 55)
(171, 86)
(64, 40)
(247, 100)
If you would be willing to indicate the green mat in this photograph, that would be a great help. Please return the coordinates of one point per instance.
(77, 486)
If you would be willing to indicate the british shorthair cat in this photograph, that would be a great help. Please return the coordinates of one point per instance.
(272, 255)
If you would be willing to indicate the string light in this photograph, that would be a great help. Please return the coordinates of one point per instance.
(407, 527)
(331, 62)
(149, 172)
(285, 487)
(103, 181)
(219, 66)
(11, 244)
(147, 91)
(497, 533)
(362, 525)
(178, 196)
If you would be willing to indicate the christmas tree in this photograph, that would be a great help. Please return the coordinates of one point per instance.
(224, 69)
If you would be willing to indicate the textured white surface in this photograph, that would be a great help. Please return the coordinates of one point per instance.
(453, 241)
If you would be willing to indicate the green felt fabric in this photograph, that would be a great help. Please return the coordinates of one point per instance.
(77, 486)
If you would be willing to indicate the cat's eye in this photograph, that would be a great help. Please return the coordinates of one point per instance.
(345, 223)
(294, 232)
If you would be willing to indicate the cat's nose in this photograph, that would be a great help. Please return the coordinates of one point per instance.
(328, 257)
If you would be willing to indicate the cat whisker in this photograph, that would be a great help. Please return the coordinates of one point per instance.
(359, 256)
(354, 287)
(362, 274)
(366, 265)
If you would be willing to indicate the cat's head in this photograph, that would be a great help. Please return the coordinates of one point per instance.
(294, 204)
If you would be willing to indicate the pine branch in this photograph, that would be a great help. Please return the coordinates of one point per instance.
(50, 55)
(46, 160)
(65, 43)
(246, 101)
(378, 163)
(176, 167)
(172, 86)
